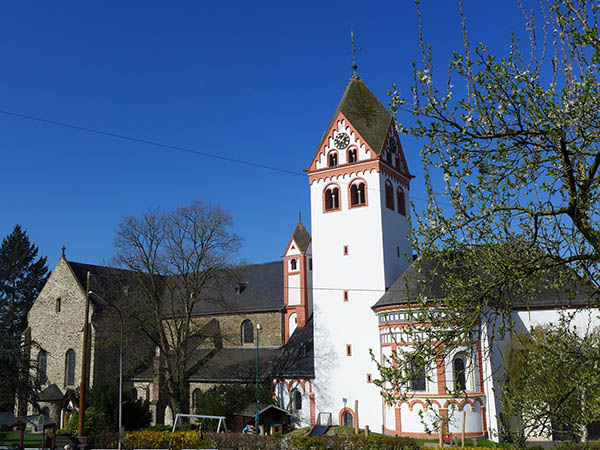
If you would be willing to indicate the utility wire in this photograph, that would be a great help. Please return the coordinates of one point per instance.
(176, 148)
(148, 142)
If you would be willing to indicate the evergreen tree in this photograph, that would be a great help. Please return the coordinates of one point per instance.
(22, 275)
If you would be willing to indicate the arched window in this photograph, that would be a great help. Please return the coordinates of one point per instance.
(296, 400)
(332, 198)
(347, 419)
(401, 202)
(70, 368)
(417, 374)
(196, 398)
(458, 365)
(57, 305)
(41, 368)
(247, 332)
(358, 194)
(397, 161)
(352, 155)
(293, 264)
(389, 195)
(332, 160)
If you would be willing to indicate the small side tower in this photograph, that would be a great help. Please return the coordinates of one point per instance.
(297, 280)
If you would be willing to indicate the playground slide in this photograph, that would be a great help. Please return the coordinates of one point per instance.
(318, 430)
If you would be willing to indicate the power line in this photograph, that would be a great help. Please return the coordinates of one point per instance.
(148, 142)
(177, 148)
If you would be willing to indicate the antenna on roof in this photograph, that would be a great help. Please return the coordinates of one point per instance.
(353, 52)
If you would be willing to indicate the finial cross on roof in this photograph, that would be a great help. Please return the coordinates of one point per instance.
(63, 250)
(353, 52)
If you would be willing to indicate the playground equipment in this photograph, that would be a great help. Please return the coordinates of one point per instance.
(319, 429)
(221, 420)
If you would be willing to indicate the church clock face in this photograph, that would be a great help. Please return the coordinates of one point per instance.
(341, 141)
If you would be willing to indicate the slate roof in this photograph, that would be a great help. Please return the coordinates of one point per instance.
(108, 282)
(51, 394)
(301, 236)
(236, 364)
(256, 287)
(259, 288)
(366, 113)
(424, 278)
(296, 359)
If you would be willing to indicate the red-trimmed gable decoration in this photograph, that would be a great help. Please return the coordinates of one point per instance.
(365, 125)
(296, 272)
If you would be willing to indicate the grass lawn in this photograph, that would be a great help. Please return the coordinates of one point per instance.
(11, 438)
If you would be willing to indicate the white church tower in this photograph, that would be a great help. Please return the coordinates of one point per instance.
(359, 185)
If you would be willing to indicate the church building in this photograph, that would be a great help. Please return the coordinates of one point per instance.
(334, 303)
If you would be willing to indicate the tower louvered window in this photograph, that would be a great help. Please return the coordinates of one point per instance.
(389, 195)
(352, 157)
(401, 202)
(358, 194)
(333, 159)
(332, 198)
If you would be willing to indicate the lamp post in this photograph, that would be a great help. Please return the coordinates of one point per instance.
(258, 328)
(116, 308)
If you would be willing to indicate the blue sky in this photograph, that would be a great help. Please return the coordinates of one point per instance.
(256, 81)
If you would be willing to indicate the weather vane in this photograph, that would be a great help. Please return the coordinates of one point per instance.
(353, 52)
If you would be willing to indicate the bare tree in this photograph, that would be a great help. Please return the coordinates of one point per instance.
(181, 259)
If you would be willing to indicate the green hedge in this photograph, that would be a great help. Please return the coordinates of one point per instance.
(191, 439)
(353, 443)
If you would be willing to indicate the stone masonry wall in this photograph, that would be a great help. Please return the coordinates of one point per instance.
(60, 331)
(231, 328)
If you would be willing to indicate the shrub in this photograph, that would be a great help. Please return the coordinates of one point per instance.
(590, 445)
(158, 427)
(106, 439)
(166, 439)
(239, 441)
(354, 443)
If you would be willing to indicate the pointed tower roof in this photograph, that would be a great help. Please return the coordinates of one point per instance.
(365, 112)
(301, 236)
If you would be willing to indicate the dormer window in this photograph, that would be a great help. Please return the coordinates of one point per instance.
(332, 160)
(241, 286)
(352, 157)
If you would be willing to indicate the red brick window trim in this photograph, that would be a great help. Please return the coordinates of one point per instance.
(332, 159)
(348, 349)
(345, 296)
(369, 378)
(352, 155)
(357, 193)
(331, 198)
(345, 250)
